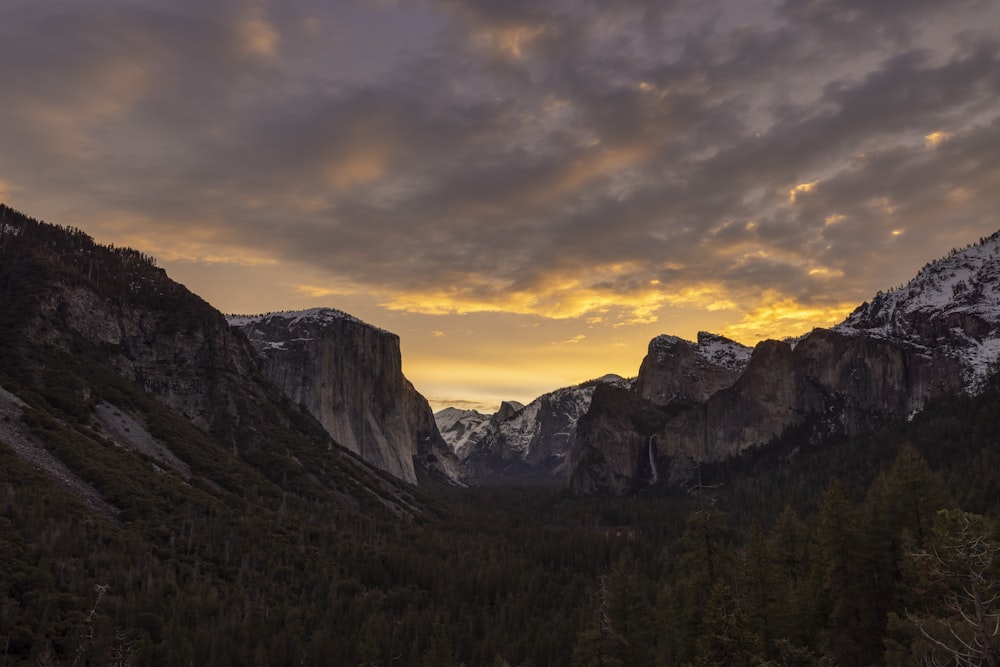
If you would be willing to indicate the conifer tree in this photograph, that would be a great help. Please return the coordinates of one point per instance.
(960, 571)
(845, 579)
(726, 639)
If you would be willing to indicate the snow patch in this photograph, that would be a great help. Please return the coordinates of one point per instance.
(965, 284)
(293, 317)
(722, 351)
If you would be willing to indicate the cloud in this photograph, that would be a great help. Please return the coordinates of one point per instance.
(934, 139)
(604, 160)
(6, 188)
(777, 316)
(259, 38)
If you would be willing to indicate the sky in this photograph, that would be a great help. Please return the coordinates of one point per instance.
(525, 191)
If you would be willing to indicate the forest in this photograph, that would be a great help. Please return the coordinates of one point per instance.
(874, 551)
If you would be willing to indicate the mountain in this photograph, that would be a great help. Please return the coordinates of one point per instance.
(526, 442)
(936, 336)
(348, 375)
(950, 309)
(162, 502)
(461, 428)
(678, 370)
(110, 361)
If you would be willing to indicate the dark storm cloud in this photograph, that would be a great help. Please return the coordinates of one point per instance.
(859, 21)
(507, 146)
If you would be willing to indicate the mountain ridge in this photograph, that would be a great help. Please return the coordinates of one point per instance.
(99, 338)
(936, 335)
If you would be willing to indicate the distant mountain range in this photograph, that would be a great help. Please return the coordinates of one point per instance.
(520, 442)
(324, 377)
(711, 399)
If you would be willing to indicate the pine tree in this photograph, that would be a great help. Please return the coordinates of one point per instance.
(439, 652)
(846, 578)
(600, 645)
(960, 571)
(726, 640)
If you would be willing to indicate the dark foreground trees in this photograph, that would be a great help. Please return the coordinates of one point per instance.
(775, 565)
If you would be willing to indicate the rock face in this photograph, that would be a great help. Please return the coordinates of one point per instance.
(532, 441)
(611, 455)
(463, 428)
(950, 310)
(348, 375)
(938, 335)
(130, 360)
(677, 370)
(161, 337)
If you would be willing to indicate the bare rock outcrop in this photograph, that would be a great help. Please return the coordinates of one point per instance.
(348, 375)
(937, 335)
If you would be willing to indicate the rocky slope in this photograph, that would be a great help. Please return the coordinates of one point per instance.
(348, 375)
(938, 335)
(104, 347)
(950, 309)
(463, 428)
(532, 441)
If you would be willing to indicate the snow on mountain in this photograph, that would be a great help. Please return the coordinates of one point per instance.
(293, 317)
(535, 440)
(952, 306)
(713, 348)
(460, 427)
(722, 351)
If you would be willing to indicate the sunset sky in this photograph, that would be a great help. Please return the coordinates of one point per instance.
(526, 191)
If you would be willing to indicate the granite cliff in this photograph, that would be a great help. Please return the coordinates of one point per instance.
(935, 336)
(348, 375)
(521, 442)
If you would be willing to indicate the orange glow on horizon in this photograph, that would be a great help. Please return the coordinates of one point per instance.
(778, 316)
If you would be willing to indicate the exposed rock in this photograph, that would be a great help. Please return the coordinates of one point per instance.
(126, 431)
(611, 455)
(676, 370)
(18, 437)
(348, 375)
(507, 410)
(938, 335)
(92, 329)
(532, 441)
(462, 429)
(167, 341)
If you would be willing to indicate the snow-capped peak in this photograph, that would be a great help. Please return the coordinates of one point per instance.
(715, 349)
(293, 317)
(951, 305)
(966, 281)
(722, 351)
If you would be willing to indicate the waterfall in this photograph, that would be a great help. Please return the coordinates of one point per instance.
(655, 476)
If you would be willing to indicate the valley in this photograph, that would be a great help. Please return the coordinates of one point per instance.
(178, 487)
